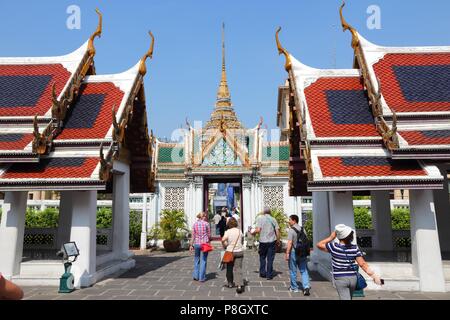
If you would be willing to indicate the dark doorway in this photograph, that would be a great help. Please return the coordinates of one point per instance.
(222, 193)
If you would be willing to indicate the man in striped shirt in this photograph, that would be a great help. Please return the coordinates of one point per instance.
(344, 256)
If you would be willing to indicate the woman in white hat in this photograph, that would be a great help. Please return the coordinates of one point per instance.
(343, 256)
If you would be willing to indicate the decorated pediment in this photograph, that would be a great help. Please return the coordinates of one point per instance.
(222, 154)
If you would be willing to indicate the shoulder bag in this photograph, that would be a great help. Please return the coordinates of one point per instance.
(228, 256)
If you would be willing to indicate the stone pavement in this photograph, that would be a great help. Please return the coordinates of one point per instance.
(159, 275)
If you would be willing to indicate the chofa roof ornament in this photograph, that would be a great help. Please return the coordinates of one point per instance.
(97, 33)
(148, 54)
(281, 50)
(346, 26)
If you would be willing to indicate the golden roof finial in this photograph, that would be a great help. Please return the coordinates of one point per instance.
(148, 54)
(346, 26)
(97, 33)
(223, 94)
(281, 50)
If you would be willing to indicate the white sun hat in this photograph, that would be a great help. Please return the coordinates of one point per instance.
(342, 231)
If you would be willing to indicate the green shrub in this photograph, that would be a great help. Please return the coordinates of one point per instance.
(47, 218)
(308, 225)
(363, 219)
(104, 218)
(400, 219)
(135, 228)
(173, 225)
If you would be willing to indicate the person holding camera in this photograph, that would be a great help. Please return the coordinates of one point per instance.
(269, 236)
(344, 257)
(9, 290)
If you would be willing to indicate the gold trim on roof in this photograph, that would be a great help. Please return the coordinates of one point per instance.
(281, 50)
(148, 54)
(97, 33)
(346, 26)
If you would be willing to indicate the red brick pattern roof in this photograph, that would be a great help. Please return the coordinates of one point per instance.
(327, 119)
(93, 128)
(59, 76)
(422, 138)
(53, 168)
(397, 97)
(336, 167)
(15, 141)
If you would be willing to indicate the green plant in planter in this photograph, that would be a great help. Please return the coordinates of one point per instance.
(173, 228)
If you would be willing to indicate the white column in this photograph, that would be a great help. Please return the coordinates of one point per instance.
(84, 232)
(144, 222)
(246, 199)
(320, 260)
(152, 212)
(65, 218)
(381, 220)
(426, 252)
(442, 203)
(121, 211)
(341, 209)
(12, 229)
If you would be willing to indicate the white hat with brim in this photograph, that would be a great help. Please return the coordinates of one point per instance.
(342, 231)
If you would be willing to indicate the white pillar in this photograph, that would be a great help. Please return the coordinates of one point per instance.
(321, 226)
(121, 211)
(381, 221)
(12, 229)
(152, 211)
(426, 252)
(65, 218)
(84, 233)
(341, 209)
(144, 222)
(442, 203)
(246, 205)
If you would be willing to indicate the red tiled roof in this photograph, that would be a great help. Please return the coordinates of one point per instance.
(404, 91)
(91, 115)
(54, 73)
(368, 167)
(338, 107)
(53, 168)
(15, 141)
(423, 138)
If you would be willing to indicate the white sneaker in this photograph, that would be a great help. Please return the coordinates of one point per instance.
(293, 290)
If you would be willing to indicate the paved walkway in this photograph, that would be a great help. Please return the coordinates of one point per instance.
(160, 275)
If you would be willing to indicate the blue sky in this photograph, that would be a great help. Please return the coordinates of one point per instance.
(184, 74)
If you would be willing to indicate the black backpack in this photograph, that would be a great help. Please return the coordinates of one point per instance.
(303, 247)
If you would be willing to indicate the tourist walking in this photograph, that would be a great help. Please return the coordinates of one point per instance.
(217, 218)
(222, 225)
(232, 242)
(297, 252)
(344, 254)
(201, 233)
(269, 236)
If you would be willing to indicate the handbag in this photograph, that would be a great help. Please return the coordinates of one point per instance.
(206, 247)
(360, 281)
(228, 256)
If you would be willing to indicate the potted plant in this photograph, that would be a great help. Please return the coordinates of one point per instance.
(172, 224)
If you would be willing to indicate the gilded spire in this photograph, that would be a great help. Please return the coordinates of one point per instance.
(223, 94)
(223, 115)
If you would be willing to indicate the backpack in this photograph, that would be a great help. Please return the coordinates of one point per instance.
(303, 246)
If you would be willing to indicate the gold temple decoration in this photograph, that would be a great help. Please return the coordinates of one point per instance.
(346, 26)
(148, 54)
(105, 166)
(281, 50)
(40, 140)
(97, 33)
(223, 111)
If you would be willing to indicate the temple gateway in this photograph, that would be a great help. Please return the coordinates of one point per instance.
(223, 164)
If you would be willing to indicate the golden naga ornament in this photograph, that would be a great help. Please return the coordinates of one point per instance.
(281, 50)
(148, 54)
(346, 26)
(97, 33)
(40, 140)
